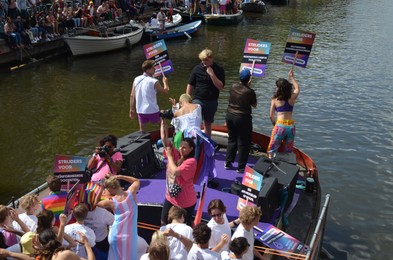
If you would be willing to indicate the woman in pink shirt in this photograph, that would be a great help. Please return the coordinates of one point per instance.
(180, 172)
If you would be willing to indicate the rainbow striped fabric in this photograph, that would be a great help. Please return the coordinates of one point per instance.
(55, 202)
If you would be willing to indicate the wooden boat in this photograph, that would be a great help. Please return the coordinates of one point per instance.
(179, 31)
(303, 212)
(177, 19)
(224, 19)
(253, 6)
(104, 39)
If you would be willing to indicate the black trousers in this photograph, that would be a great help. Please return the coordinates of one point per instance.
(239, 138)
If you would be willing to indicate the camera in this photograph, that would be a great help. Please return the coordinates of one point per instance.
(103, 151)
(166, 114)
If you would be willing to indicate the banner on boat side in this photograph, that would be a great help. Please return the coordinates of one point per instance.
(255, 52)
(277, 239)
(298, 46)
(251, 185)
(158, 52)
(69, 169)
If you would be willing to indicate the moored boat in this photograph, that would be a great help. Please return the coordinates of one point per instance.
(299, 212)
(224, 19)
(188, 17)
(253, 6)
(184, 30)
(176, 20)
(104, 39)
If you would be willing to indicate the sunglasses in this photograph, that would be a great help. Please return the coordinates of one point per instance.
(219, 215)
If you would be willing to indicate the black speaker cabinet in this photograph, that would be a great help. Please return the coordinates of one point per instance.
(124, 141)
(139, 158)
(285, 173)
(268, 198)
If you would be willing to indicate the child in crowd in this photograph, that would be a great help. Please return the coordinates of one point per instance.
(29, 204)
(176, 218)
(80, 213)
(249, 217)
(10, 235)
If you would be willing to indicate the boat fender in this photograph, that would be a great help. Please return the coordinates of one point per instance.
(128, 43)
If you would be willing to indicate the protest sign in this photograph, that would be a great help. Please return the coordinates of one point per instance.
(277, 239)
(255, 57)
(298, 47)
(251, 185)
(69, 169)
(158, 52)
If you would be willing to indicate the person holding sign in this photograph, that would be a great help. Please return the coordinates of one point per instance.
(239, 120)
(144, 96)
(282, 103)
(205, 83)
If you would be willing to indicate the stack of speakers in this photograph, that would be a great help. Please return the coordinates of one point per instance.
(277, 177)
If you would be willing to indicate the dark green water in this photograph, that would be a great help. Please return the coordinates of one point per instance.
(344, 114)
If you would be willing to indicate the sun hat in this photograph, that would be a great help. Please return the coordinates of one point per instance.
(245, 74)
(26, 242)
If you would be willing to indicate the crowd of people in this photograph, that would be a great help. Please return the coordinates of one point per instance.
(26, 22)
(103, 219)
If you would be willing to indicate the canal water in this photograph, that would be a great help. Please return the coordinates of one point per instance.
(344, 114)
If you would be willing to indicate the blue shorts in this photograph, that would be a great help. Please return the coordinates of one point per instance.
(209, 108)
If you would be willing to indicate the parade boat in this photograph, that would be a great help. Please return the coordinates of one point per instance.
(224, 19)
(253, 6)
(293, 217)
(104, 39)
(184, 30)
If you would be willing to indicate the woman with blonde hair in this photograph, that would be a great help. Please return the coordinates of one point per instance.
(123, 204)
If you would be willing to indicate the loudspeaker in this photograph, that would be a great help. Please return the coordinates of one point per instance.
(124, 141)
(268, 198)
(285, 173)
(139, 158)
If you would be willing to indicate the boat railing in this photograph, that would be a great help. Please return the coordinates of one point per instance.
(15, 203)
(314, 247)
(317, 238)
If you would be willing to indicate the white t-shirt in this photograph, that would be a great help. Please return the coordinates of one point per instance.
(249, 235)
(217, 231)
(29, 220)
(99, 220)
(71, 230)
(146, 94)
(197, 253)
(142, 247)
(225, 256)
(175, 245)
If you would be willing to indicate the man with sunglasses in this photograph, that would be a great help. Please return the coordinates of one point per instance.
(105, 159)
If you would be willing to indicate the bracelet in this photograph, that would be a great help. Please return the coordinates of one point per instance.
(180, 236)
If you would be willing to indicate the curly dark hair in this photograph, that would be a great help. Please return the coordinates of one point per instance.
(109, 138)
(284, 89)
(201, 233)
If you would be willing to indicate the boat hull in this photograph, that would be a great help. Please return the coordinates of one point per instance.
(224, 19)
(86, 44)
(253, 7)
(180, 31)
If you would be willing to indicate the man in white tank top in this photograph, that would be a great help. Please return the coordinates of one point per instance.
(144, 96)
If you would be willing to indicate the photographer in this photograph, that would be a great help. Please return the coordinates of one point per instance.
(105, 159)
